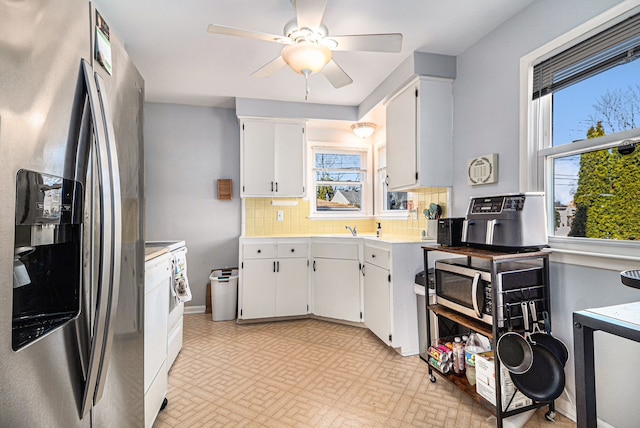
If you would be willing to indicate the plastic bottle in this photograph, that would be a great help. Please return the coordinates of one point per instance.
(458, 357)
(473, 347)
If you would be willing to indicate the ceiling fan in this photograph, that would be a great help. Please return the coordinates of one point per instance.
(309, 48)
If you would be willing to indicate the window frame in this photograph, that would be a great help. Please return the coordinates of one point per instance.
(537, 154)
(380, 191)
(366, 202)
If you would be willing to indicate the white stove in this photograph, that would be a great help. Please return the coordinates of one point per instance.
(179, 293)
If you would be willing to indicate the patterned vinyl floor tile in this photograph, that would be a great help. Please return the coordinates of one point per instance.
(309, 374)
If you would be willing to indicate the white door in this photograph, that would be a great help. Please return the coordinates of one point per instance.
(258, 158)
(336, 289)
(402, 158)
(377, 301)
(258, 288)
(292, 287)
(289, 159)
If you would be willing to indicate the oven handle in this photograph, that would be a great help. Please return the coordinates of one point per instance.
(474, 294)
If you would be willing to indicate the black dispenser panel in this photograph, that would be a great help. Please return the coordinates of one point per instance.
(47, 266)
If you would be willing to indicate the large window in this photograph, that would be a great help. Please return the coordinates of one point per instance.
(339, 180)
(585, 117)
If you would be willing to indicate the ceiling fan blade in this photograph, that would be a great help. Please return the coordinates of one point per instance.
(391, 42)
(309, 13)
(336, 75)
(270, 68)
(239, 32)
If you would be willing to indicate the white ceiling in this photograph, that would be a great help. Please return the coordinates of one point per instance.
(183, 64)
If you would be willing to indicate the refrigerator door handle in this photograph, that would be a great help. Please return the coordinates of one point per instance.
(115, 240)
(106, 264)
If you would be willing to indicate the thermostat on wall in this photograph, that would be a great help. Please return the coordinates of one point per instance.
(483, 169)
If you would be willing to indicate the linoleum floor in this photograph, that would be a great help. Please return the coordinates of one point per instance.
(309, 373)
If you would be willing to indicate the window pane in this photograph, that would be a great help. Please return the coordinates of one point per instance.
(338, 161)
(596, 195)
(340, 176)
(396, 201)
(611, 98)
(338, 198)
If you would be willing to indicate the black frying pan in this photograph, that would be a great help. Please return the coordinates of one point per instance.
(513, 350)
(556, 346)
(544, 381)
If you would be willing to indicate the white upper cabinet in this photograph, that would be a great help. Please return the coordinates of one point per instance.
(273, 158)
(419, 132)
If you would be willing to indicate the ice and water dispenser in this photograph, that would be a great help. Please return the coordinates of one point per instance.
(47, 266)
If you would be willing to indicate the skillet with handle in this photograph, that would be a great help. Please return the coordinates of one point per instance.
(545, 380)
(513, 350)
(547, 340)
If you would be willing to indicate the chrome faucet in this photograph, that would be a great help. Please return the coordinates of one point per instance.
(353, 231)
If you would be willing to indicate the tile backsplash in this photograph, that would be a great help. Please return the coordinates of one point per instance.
(261, 217)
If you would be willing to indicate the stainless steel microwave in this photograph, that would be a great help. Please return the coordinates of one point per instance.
(467, 287)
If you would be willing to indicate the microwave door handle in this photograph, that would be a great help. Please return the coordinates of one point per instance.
(474, 294)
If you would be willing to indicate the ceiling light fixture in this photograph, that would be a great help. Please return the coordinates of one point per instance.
(306, 58)
(363, 129)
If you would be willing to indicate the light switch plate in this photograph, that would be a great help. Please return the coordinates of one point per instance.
(280, 215)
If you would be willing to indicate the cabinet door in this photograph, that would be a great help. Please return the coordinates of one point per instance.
(258, 158)
(377, 301)
(258, 289)
(336, 289)
(402, 160)
(292, 287)
(289, 159)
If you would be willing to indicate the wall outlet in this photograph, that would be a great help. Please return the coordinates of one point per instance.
(280, 215)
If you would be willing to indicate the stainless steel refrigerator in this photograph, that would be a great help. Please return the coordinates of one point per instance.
(71, 220)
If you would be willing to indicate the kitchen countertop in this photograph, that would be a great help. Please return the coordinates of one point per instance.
(390, 239)
(152, 252)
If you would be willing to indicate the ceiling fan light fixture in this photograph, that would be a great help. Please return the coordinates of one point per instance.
(363, 129)
(306, 56)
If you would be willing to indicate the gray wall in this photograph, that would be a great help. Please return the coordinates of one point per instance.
(486, 120)
(186, 150)
(486, 90)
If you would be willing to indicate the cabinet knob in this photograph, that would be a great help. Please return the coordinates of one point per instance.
(259, 251)
(293, 250)
(373, 256)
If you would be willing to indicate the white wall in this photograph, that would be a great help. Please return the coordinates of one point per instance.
(186, 150)
(486, 120)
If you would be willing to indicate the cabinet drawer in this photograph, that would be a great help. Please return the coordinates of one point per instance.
(335, 251)
(377, 256)
(258, 251)
(292, 250)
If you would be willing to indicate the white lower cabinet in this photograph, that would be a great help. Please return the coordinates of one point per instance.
(336, 280)
(377, 301)
(390, 307)
(274, 278)
(292, 289)
(352, 279)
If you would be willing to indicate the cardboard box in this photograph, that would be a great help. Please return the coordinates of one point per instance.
(486, 383)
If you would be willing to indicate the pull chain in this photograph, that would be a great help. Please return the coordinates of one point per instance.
(306, 84)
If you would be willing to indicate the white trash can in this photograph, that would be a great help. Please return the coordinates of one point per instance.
(224, 294)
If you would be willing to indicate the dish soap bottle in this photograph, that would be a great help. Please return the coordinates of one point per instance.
(379, 230)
